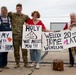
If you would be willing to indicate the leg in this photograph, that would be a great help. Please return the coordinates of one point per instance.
(38, 56)
(1, 59)
(24, 55)
(1, 66)
(4, 58)
(25, 59)
(32, 55)
(16, 50)
(71, 57)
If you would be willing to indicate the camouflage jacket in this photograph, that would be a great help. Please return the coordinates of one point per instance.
(17, 22)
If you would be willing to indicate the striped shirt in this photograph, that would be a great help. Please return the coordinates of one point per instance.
(5, 20)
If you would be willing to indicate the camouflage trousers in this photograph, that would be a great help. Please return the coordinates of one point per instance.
(17, 43)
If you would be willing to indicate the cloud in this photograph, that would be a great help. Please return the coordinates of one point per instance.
(51, 10)
(46, 7)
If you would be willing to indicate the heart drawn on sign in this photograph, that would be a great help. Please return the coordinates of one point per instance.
(9, 39)
(65, 41)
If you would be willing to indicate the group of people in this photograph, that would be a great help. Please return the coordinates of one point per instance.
(14, 22)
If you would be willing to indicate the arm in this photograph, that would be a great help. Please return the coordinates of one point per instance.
(26, 18)
(66, 26)
(46, 30)
(72, 26)
(10, 14)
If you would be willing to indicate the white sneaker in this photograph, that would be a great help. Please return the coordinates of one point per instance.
(37, 66)
(33, 64)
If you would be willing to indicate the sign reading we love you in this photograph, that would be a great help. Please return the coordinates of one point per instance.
(6, 41)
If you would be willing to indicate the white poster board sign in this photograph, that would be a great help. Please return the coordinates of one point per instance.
(31, 38)
(6, 41)
(69, 38)
(52, 41)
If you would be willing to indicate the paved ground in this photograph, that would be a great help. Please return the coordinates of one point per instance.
(45, 68)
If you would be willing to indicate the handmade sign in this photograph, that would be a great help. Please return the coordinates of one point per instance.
(31, 37)
(52, 41)
(6, 42)
(69, 38)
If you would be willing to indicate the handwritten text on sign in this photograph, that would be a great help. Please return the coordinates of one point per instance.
(6, 41)
(31, 37)
(52, 41)
(69, 38)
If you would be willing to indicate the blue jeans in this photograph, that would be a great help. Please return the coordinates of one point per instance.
(35, 55)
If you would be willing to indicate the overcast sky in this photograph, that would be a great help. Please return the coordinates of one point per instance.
(50, 10)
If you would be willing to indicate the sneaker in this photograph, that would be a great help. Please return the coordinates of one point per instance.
(1, 69)
(32, 64)
(6, 67)
(17, 66)
(37, 66)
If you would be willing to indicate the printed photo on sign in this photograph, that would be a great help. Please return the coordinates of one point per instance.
(6, 42)
(31, 37)
(52, 41)
(69, 38)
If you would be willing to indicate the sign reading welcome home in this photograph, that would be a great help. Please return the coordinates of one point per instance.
(31, 37)
(55, 41)
(6, 41)
(52, 41)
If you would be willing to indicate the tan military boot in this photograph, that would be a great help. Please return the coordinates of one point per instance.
(27, 66)
(17, 66)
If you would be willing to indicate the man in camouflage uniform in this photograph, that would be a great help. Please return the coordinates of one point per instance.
(18, 20)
